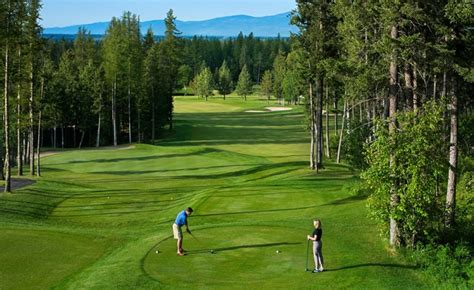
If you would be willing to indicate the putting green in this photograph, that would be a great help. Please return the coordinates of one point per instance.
(242, 254)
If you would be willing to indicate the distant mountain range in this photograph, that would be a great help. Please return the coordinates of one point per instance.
(267, 26)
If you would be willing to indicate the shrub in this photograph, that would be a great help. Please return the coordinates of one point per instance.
(450, 267)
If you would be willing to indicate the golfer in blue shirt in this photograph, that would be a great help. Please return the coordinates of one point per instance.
(181, 220)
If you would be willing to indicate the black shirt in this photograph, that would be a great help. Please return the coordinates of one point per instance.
(318, 233)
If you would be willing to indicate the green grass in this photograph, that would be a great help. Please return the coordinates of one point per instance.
(97, 217)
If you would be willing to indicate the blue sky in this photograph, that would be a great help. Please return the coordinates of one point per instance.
(69, 12)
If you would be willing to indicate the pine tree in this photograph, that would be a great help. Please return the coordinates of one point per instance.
(113, 59)
(171, 52)
(266, 86)
(225, 80)
(203, 83)
(244, 85)
(34, 31)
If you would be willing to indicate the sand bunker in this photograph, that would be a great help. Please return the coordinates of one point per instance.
(278, 109)
(270, 109)
(255, 111)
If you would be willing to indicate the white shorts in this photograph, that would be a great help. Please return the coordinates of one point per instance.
(177, 232)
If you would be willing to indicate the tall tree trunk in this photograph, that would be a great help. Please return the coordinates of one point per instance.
(408, 94)
(129, 116)
(97, 142)
(336, 116)
(114, 111)
(170, 113)
(38, 149)
(312, 156)
(341, 134)
(153, 129)
(328, 152)
(319, 122)
(62, 136)
(55, 136)
(83, 133)
(31, 134)
(139, 125)
(18, 119)
(443, 91)
(394, 198)
(6, 118)
(74, 136)
(26, 150)
(416, 101)
(453, 158)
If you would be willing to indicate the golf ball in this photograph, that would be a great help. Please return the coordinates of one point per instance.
(277, 251)
(157, 251)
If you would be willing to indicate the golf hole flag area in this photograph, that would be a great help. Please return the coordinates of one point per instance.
(101, 219)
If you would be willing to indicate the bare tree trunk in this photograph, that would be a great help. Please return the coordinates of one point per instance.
(139, 125)
(26, 150)
(114, 110)
(74, 136)
(97, 142)
(82, 138)
(416, 101)
(443, 91)
(153, 129)
(55, 137)
(31, 136)
(319, 122)
(38, 149)
(18, 120)
(312, 156)
(62, 136)
(394, 198)
(328, 152)
(129, 116)
(335, 116)
(408, 94)
(341, 134)
(2, 164)
(453, 158)
(6, 118)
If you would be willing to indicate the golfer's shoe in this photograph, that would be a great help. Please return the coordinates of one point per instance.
(316, 271)
(321, 269)
(180, 254)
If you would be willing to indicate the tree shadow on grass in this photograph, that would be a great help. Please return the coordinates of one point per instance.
(254, 211)
(224, 249)
(347, 200)
(141, 158)
(371, 265)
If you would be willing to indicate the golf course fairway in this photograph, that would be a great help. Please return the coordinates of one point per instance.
(101, 218)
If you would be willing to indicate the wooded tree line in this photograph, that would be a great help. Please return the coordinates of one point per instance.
(71, 94)
(403, 71)
(119, 89)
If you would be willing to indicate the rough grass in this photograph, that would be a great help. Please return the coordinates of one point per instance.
(97, 217)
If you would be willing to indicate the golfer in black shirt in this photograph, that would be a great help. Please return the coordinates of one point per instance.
(317, 246)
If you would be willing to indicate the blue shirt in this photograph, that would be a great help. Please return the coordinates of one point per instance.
(181, 218)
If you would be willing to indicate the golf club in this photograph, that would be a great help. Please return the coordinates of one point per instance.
(307, 251)
(200, 243)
